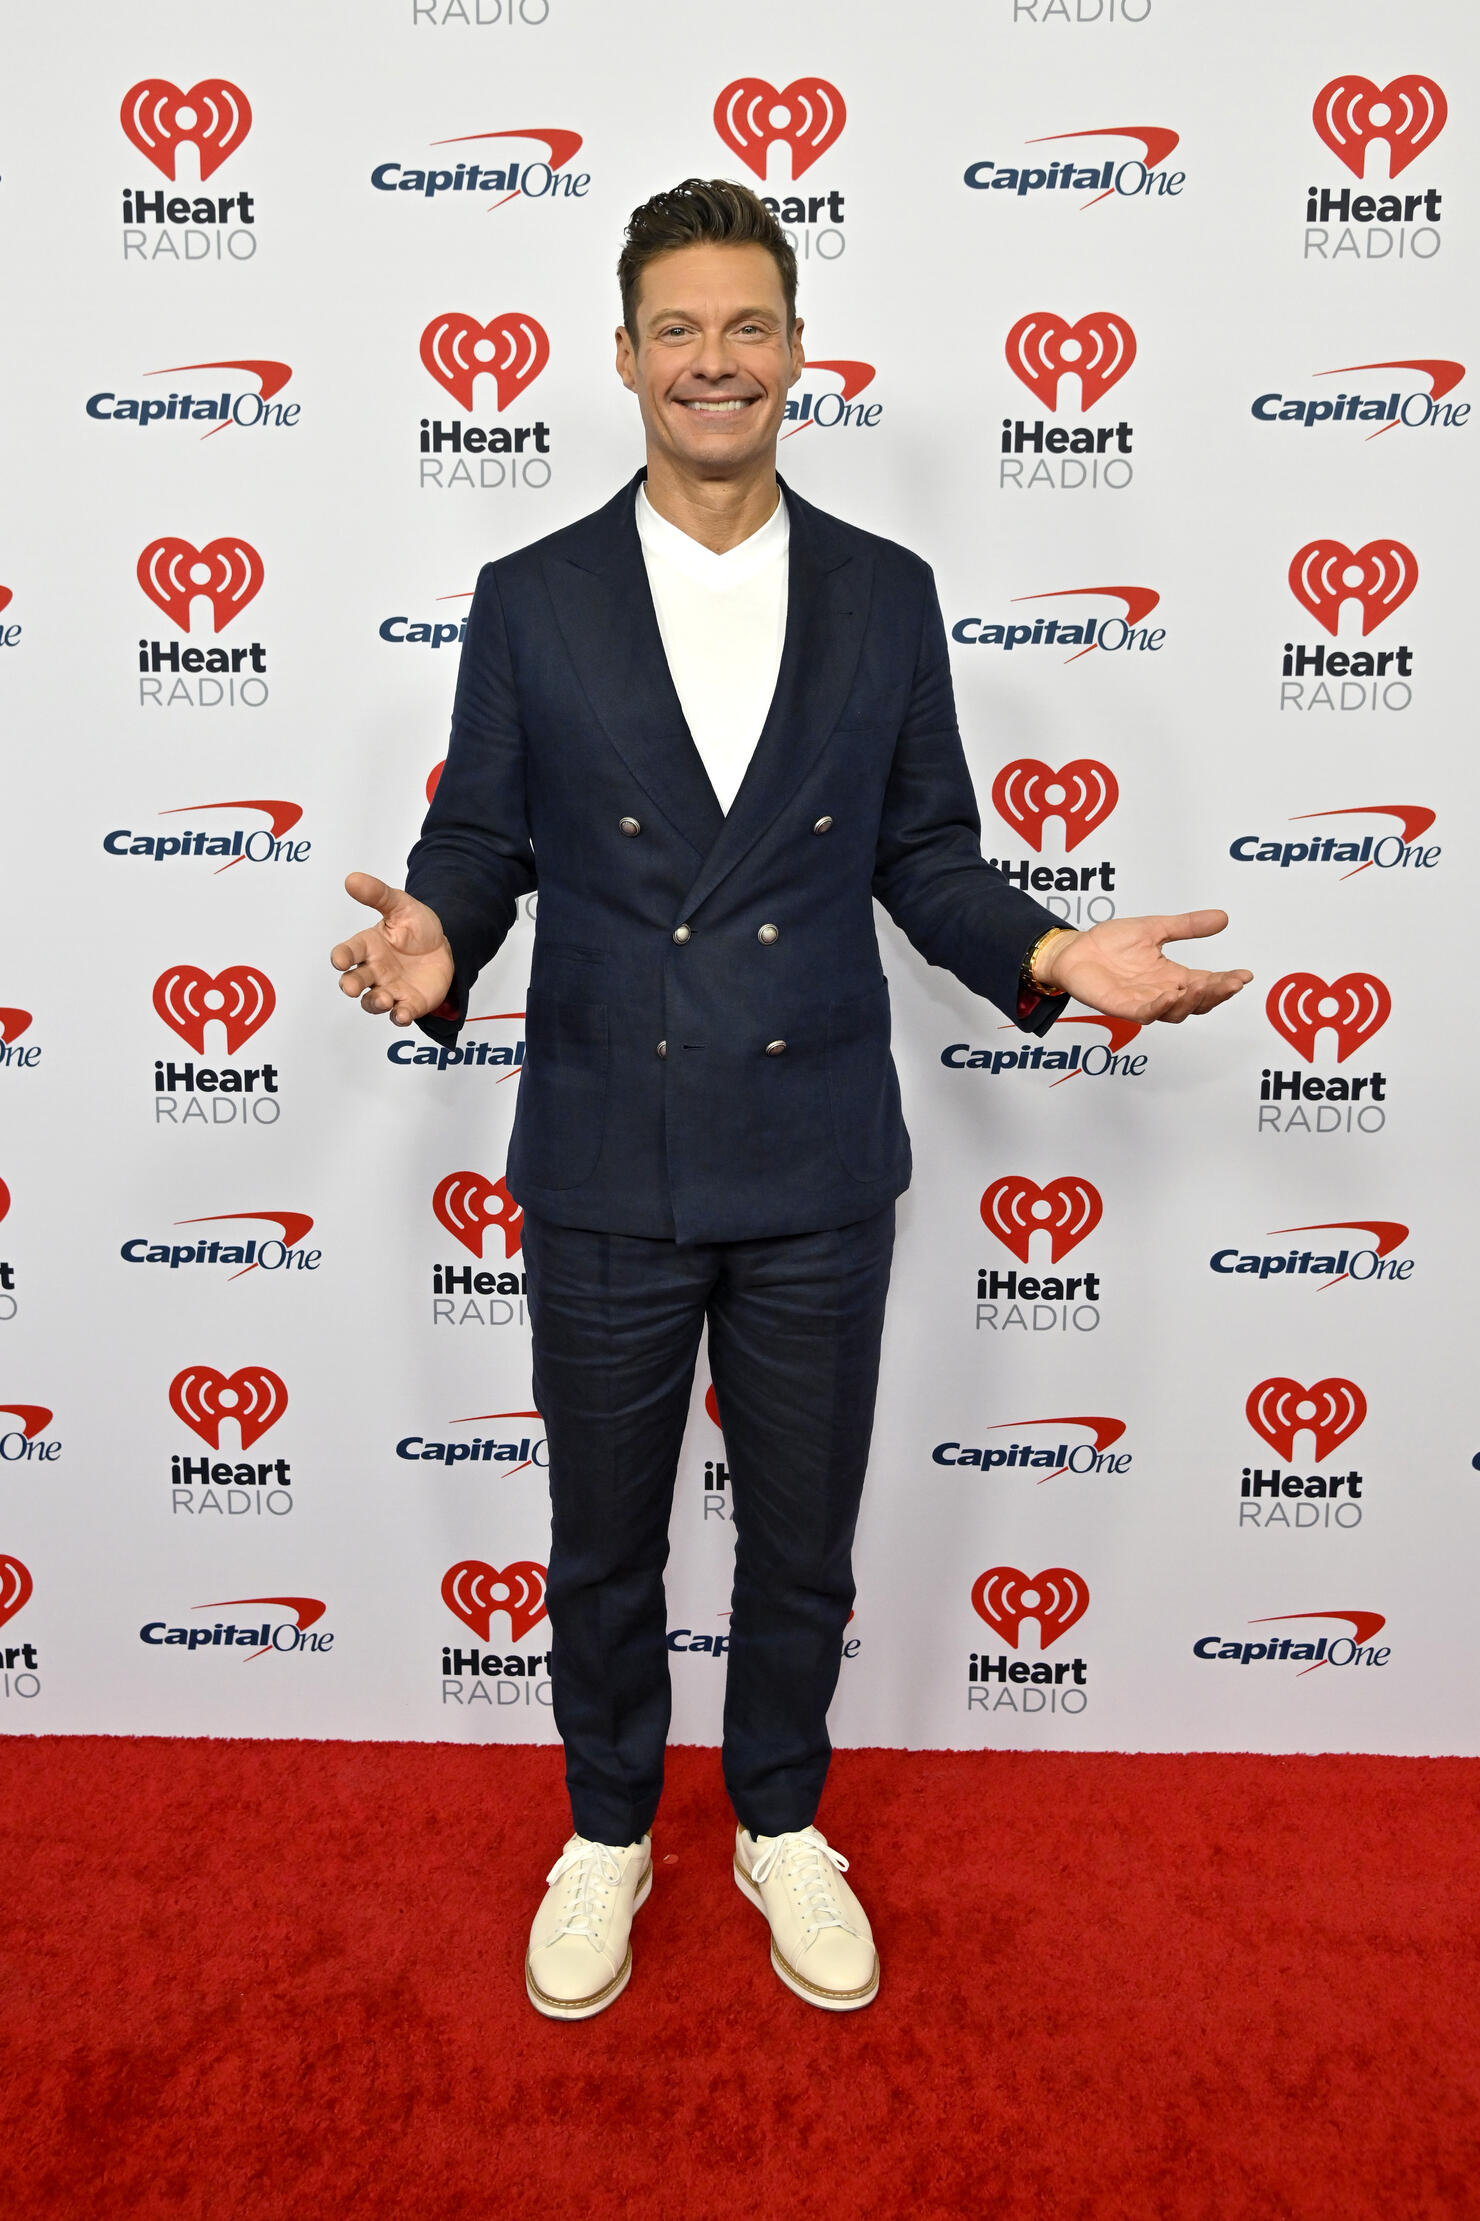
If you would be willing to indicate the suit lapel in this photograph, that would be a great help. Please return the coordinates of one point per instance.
(828, 587)
(604, 609)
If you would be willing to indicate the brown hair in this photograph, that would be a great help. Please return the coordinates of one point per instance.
(699, 212)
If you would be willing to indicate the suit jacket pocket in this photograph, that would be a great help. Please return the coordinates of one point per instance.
(562, 1111)
(868, 1129)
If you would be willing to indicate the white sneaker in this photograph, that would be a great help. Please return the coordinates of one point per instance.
(580, 1958)
(821, 1943)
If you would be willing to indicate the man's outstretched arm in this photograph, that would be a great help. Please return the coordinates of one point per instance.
(1119, 968)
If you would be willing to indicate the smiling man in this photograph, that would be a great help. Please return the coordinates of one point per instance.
(712, 725)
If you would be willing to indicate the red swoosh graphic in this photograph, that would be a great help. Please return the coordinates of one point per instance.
(1156, 140)
(1364, 1626)
(295, 1224)
(272, 376)
(1139, 602)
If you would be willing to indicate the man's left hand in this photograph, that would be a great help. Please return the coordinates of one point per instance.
(1119, 968)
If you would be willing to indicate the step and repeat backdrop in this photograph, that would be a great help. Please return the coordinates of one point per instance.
(1151, 325)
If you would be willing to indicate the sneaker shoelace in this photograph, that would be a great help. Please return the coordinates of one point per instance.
(808, 1862)
(594, 1871)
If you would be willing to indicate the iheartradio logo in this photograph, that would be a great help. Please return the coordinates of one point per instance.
(1330, 1410)
(474, 1591)
(1015, 1208)
(254, 1397)
(1302, 1005)
(512, 349)
(1042, 348)
(1027, 793)
(1055, 1598)
(240, 997)
(214, 117)
(15, 1586)
(469, 1203)
(806, 117)
(1408, 114)
(1379, 577)
(227, 572)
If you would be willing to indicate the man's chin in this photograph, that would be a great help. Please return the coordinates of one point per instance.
(720, 446)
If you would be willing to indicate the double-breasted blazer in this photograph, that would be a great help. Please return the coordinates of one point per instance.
(707, 1020)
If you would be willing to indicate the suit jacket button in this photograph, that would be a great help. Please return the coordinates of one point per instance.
(775, 1048)
(823, 825)
(681, 933)
(768, 934)
(662, 1048)
(629, 826)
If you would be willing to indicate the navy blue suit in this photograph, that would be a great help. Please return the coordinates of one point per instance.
(709, 1116)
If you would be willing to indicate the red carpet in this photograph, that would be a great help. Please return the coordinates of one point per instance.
(245, 1980)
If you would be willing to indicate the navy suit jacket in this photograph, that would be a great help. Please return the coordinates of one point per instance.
(685, 1077)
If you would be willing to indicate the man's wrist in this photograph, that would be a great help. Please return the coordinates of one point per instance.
(1038, 964)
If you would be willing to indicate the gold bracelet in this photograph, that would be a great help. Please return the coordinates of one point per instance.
(1030, 972)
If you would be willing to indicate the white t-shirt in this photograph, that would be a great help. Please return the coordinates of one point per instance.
(723, 620)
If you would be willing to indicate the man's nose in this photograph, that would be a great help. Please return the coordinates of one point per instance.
(715, 358)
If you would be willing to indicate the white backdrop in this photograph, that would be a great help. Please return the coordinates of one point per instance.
(1199, 283)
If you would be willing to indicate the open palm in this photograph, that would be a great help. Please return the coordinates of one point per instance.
(402, 966)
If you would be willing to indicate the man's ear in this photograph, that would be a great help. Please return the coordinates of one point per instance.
(798, 357)
(626, 359)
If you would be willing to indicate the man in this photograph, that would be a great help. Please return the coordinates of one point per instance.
(713, 724)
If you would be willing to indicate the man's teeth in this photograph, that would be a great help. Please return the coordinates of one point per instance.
(716, 408)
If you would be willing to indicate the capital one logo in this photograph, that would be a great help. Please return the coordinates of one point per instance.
(15, 1586)
(473, 1591)
(806, 117)
(1042, 347)
(1027, 793)
(1015, 1208)
(1378, 577)
(1055, 1598)
(1302, 1005)
(254, 1397)
(469, 1203)
(1280, 1408)
(240, 997)
(1407, 114)
(512, 349)
(214, 117)
(228, 573)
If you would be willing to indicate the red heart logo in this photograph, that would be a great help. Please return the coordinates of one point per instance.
(807, 115)
(13, 1024)
(1042, 346)
(228, 572)
(241, 997)
(1015, 1209)
(6, 597)
(214, 116)
(1351, 111)
(475, 1591)
(513, 349)
(251, 1395)
(4, 1200)
(1354, 1007)
(1026, 793)
(1380, 576)
(1331, 1409)
(15, 1587)
(468, 1203)
(1056, 1598)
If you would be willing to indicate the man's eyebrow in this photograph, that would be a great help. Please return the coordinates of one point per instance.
(687, 316)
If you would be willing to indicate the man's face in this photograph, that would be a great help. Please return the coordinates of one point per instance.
(713, 359)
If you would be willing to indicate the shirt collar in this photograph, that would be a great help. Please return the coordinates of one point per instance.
(734, 568)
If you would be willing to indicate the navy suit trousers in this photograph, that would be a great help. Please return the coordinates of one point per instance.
(794, 1329)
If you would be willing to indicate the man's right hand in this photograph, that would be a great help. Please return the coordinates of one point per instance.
(403, 965)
